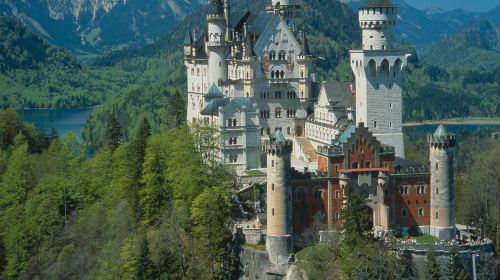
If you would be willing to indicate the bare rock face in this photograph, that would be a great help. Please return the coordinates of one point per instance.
(100, 25)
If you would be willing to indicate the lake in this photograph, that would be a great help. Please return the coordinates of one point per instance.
(454, 128)
(63, 120)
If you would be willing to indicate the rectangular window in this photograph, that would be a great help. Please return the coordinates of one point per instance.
(375, 124)
(273, 211)
(437, 190)
(338, 216)
(403, 190)
(437, 215)
(336, 168)
(404, 212)
(421, 212)
(317, 194)
(272, 163)
(437, 166)
(337, 194)
(420, 190)
(272, 187)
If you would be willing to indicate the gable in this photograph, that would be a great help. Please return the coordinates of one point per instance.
(323, 98)
(277, 37)
(362, 148)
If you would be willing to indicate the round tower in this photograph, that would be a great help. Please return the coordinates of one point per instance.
(216, 43)
(441, 146)
(377, 19)
(279, 238)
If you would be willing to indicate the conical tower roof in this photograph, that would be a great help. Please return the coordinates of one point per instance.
(441, 131)
(188, 40)
(378, 4)
(214, 92)
(280, 138)
(248, 47)
(305, 46)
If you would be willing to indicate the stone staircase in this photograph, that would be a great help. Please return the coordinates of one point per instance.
(306, 146)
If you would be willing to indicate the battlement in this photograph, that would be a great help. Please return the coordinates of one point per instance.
(272, 146)
(439, 141)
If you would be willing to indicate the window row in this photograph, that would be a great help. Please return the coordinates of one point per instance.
(277, 74)
(277, 95)
(302, 194)
(281, 55)
(405, 190)
(233, 158)
(232, 122)
(405, 212)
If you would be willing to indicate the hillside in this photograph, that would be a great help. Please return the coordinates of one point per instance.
(34, 73)
(459, 77)
(331, 27)
(476, 44)
(421, 28)
(99, 25)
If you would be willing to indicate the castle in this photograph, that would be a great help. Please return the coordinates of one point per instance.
(253, 76)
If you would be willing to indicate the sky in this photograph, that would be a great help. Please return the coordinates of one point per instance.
(475, 6)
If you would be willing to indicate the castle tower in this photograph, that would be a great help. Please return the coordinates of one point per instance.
(216, 43)
(441, 145)
(279, 239)
(289, 9)
(378, 69)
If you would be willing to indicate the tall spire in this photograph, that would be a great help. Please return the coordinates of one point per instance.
(305, 46)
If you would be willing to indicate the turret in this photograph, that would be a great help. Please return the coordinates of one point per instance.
(377, 19)
(216, 43)
(378, 70)
(279, 239)
(188, 44)
(441, 146)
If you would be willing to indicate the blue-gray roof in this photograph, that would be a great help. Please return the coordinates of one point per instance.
(214, 92)
(378, 4)
(345, 135)
(212, 108)
(280, 138)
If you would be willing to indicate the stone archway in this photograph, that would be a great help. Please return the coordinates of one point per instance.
(298, 131)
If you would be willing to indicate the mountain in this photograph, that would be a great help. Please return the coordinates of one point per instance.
(421, 28)
(100, 25)
(331, 29)
(477, 44)
(35, 73)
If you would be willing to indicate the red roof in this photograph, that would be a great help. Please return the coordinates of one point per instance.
(355, 170)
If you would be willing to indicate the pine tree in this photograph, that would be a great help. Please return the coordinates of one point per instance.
(145, 267)
(138, 147)
(356, 220)
(431, 269)
(114, 133)
(455, 270)
(177, 108)
(154, 196)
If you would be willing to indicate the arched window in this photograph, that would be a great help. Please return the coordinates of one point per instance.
(385, 67)
(282, 74)
(372, 67)
(234, 122)
(398, 65)
(278, 113)
(272, 74)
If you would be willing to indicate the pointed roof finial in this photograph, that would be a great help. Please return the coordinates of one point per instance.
(305, 46)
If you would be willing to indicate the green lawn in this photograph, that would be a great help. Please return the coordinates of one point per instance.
(255, 173)
(423, 239)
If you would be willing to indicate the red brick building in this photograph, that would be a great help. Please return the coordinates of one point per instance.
(396, 191)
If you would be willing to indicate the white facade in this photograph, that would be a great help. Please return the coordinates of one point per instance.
(378, 71)
(265, 58)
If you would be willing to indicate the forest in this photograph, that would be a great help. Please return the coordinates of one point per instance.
(151, 208)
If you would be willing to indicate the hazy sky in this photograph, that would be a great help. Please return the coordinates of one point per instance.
(475, 5)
